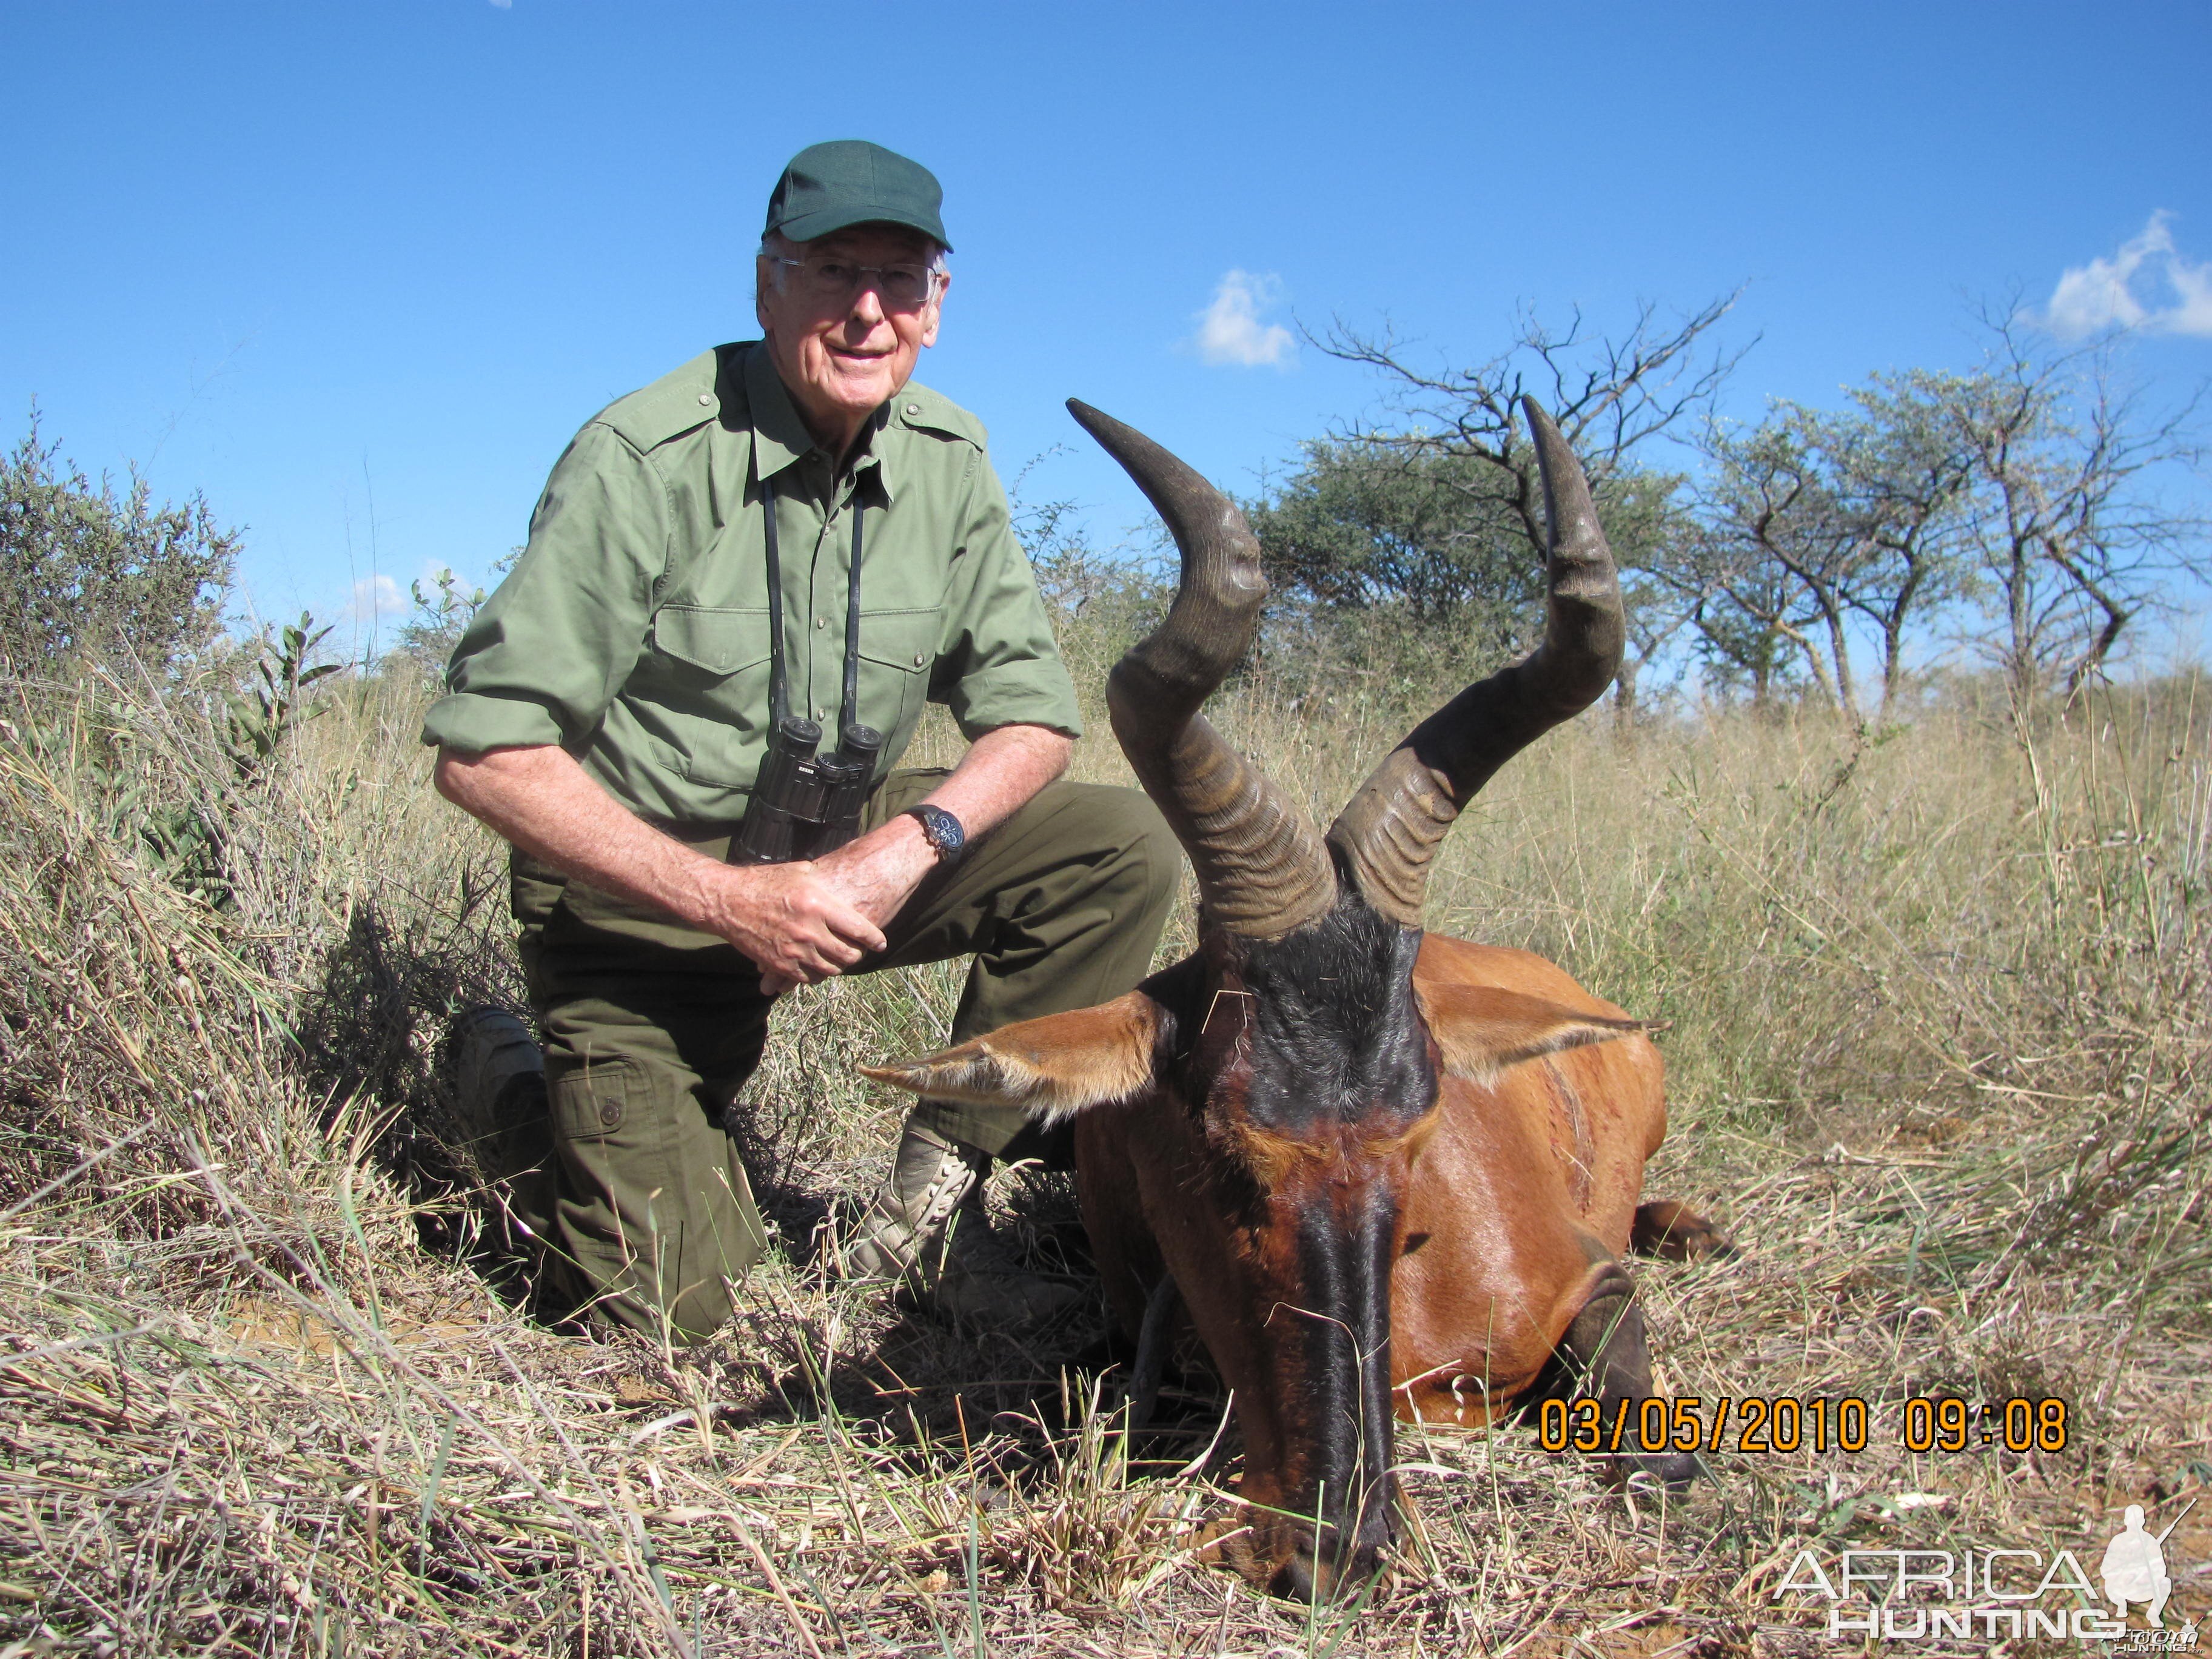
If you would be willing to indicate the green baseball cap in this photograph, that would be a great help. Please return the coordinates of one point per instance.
(850, 181)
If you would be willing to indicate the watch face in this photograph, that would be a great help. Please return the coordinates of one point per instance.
(942, 829)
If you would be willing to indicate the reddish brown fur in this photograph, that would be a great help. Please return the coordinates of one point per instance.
(1514, 1220)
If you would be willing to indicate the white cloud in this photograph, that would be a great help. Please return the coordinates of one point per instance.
(377, 595)
(2148, 284)
(504, 5)
(1230, 330)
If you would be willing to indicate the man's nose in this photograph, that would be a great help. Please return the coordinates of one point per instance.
(867, 303)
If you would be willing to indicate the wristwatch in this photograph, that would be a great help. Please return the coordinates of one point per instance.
(943, 832)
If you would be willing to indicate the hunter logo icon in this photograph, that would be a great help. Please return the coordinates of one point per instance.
(2134, 1568)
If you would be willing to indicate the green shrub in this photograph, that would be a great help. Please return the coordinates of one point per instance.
(87, 572)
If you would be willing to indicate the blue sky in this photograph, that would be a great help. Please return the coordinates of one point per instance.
(358, 272)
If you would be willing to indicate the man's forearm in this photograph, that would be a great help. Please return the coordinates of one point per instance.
(544, 802)
(1001, 772)
(995, 779)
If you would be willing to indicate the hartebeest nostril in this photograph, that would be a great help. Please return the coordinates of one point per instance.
(1326, 1568)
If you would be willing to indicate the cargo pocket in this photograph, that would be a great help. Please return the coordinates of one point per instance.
(593, 1100)
(898, 649)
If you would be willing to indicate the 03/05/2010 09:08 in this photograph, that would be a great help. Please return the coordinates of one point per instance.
(1758, 1423)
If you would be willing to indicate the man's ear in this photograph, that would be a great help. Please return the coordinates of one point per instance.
(1051, 1068)
(936, 310)
(1483, 1030)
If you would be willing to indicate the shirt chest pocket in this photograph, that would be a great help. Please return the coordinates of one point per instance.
(712, 642)
(898, 650)
(709, 692)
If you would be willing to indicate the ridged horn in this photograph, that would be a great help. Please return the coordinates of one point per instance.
(1390, 829)
(1262, 870)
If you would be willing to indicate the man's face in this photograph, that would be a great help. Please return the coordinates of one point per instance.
(843, 356)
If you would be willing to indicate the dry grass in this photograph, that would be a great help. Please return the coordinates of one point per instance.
(1939, 1025)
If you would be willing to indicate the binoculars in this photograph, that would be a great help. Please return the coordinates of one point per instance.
(805, 804)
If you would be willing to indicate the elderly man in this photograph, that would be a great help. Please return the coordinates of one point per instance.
(700, 548)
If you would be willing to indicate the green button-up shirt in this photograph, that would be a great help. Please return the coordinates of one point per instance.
(634, 630)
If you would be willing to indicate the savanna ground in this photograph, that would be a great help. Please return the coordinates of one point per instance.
(1937, 998)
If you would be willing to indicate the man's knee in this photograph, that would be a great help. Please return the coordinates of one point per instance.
(631, 1300)
(1141, 848)
(674, 1282)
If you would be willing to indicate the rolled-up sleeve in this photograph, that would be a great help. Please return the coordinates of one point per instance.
(548, 653)
(998, 665)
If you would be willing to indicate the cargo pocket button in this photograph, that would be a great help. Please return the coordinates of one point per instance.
(611, 1113)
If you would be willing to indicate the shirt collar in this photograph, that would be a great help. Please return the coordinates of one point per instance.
(780, 439)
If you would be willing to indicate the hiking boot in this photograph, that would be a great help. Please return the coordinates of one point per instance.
(907, 1216)
(499, 1102)
(925, 1227)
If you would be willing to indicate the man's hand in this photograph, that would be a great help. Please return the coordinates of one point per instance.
(794, 920)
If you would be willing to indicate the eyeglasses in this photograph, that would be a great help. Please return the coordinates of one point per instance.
(904, 287)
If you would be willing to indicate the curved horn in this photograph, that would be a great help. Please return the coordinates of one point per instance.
(1390, 829)
(1262, 870)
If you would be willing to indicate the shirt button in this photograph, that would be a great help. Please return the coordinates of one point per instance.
(919, 658)
(821, 622)
(913, 408)
(706, 399)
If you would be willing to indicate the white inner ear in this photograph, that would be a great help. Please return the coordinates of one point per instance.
(1481, 1056)
(1481, 1033)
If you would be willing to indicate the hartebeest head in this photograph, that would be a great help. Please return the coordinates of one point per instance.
(1275, 1087)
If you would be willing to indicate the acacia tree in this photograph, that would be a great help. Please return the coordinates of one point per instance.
(1860, 512)
(2071, 539)
(1652, 532)
(1362, 524)
(1436, 505)
(1769, 505)
(1903, 482)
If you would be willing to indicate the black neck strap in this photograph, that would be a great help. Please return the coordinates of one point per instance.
(779, 696)
(852, 712)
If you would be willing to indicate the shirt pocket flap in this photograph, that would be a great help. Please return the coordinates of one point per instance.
(901, 639)
(720, 638)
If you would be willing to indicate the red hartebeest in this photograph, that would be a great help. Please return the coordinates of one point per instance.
(1382, 1169)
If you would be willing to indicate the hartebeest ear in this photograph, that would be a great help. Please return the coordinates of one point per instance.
(1482, 1029)
(1051, 1068)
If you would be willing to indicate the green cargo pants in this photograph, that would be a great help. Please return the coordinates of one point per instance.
(651, 1029)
